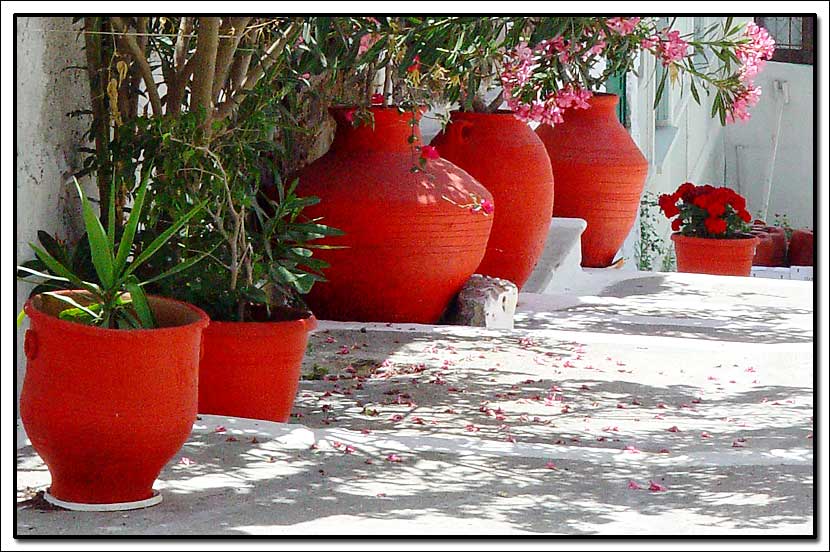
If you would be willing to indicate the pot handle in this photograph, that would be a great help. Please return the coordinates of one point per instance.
(30, 344)
(461, 131)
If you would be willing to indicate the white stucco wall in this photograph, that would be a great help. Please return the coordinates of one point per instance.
(749, 146)
(47, 139)
(702, 151)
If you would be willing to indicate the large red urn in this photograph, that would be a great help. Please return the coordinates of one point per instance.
(600, 174)
(412, 237)
(507, 157)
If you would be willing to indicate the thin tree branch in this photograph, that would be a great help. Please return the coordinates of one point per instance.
(227, 48)
(182, 42)
(270, 56)
(146, 72)
(207, 43)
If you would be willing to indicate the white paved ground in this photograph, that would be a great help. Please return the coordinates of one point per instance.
(700, 385)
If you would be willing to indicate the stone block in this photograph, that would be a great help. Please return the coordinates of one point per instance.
(485, 302)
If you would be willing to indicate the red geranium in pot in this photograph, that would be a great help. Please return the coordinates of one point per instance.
(710, 230)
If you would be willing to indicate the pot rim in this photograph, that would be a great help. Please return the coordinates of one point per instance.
(306, 324)
(36, 314)
(739, 238)
(380, 108)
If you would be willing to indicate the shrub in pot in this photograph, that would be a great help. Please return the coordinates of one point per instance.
(711, 235)
(231, 129)
(109, 394)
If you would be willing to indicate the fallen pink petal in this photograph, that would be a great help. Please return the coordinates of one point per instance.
(656, 487)
(633, 485)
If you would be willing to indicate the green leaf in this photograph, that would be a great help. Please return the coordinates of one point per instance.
(111, 215)
(57, 268)
(20, 317)
(52, 245)
(140, 304)
(70, 301)
(98, 243)
(40, 274)
(82, 316)
(164, 237)
(131, 227)
(180, 267)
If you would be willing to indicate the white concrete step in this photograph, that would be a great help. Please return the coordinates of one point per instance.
(562, 258)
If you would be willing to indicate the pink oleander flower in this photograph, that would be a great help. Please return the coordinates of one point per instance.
(739, 110)
(597, 48)
(671, 47)
(429, 152)
(552, 46)
(650, 43)
(487, 206)
(366, 42)
(623, 25)
(573, 96)
(753, 54)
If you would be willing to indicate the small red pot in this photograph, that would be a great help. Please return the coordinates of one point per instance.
(252, 369)
(801, 248)
(728, 257)
(107, 409)
(772, 246)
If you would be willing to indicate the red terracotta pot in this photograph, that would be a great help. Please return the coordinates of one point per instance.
(801, 248)
(411, 239)
(600, 174)
(772, 246)
(728, 257)
(506, 156)
(106, 409)
(252, 369)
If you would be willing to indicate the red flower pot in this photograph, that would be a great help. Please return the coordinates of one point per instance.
(600, 174)
(252, 369)
(772, 246)
(801, 248)
(506, 156)
(728, 257)
(411, 240)
(106, 409)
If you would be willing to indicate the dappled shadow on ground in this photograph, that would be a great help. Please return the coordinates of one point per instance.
(328, 491)
(456, 434)
(656, 306)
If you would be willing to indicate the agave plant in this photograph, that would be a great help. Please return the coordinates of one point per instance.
(116, 298)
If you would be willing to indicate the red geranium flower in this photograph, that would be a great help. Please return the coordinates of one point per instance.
(676, 223)
(377, 99)
(716, 208)
(715, 225)
(668, 204)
